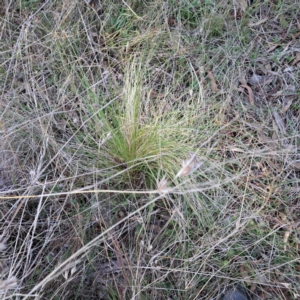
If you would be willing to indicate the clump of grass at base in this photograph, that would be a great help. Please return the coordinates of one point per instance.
(145, 145)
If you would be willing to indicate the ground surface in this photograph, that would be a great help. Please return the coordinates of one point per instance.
(149, 149)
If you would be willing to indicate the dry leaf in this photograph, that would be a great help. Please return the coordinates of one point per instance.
(258, 22)
(297, 59)
(189, 165)
(287, 105)
(273, 47)
(214, 85)
(294, 36)
(250, 93)
(279, 122)
(255, 79)
(258, 79)
(235, 149)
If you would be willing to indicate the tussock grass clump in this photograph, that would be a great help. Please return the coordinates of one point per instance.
(145, 140)
(149, 149)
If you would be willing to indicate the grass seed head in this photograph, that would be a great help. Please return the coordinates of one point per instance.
(162, 186)
(189, 165)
